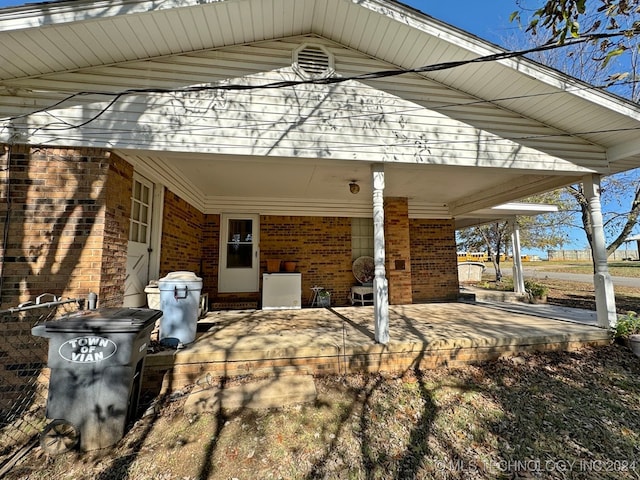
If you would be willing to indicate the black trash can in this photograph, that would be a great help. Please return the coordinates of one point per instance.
(96, 359)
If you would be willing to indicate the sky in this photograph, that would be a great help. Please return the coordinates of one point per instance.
(488, 19)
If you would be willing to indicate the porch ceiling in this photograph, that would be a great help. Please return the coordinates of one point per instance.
(279, 185)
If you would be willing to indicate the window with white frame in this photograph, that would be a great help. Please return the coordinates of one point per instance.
(361, 237)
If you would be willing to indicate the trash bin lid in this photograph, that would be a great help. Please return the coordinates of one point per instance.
(114, 320)
(180, 276)
(180, 279)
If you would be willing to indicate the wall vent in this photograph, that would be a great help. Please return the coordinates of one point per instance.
(313, 61)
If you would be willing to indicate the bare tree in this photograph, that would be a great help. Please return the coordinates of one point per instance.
(611, 61)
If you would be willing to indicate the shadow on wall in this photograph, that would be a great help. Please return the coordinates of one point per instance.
(55, 203)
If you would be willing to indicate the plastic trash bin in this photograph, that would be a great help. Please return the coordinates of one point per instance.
(180, 305)
(96, 358)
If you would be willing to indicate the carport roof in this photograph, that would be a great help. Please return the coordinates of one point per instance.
(52, 37)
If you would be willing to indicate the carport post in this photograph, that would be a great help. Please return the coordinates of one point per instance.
(605, 296)
(380, 284)
(518, 274)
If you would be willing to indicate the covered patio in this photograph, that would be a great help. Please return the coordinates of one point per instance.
(341, 340)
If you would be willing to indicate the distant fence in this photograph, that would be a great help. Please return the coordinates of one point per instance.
(585, 255)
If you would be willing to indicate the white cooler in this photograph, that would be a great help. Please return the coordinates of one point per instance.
(281, 291)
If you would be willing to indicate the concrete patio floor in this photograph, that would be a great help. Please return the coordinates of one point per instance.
(340, 340)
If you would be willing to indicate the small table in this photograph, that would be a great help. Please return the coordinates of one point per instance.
(361, 294)
(314, 298)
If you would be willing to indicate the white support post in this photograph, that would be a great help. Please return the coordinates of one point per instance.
(518, 274)
(380, 284)
(605, 295)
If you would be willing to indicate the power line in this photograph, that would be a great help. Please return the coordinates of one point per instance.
(315, 81)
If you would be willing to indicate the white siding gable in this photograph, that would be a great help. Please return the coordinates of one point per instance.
(342, 121)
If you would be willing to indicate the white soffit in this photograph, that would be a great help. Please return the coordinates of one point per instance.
(502, 212)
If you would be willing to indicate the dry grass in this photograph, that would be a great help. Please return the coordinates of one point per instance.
(571, 293)
(616, 269)
(581, 295)
(553, 415)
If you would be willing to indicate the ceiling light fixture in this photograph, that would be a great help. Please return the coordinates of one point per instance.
(354, 187)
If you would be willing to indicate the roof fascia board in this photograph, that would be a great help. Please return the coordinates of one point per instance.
(573, 86)
(517, 208)
(416, 19)
(503, 212)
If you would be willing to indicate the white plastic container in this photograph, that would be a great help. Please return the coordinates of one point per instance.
(153, 295)
(180, 305)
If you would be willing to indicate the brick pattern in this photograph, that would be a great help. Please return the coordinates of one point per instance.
(23, 377)
(433, 260)
(320, 245)
(167, 373)
(182, 237)
(397, 250)
(56, 222)
(210, 255)
(21, 360)
(116, 232)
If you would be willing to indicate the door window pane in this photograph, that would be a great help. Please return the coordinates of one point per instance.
(140, 212)
(240, 244)
(239, 256)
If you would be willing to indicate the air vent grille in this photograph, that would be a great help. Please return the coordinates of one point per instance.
(313, 62)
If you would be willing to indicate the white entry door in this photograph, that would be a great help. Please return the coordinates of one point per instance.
(139, 247)
(239, 257)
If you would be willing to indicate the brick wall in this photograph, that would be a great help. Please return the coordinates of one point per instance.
(433, 260)
(182, 236)
(397, 250)
(56, 222)
(116, 232)
(322, 247)
(210, 255)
